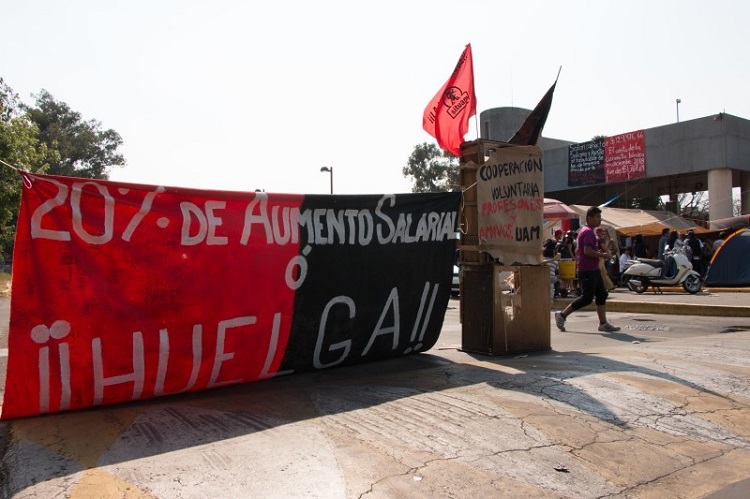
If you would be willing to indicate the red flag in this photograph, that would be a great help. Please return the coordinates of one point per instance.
(531, 130)
(447, 115)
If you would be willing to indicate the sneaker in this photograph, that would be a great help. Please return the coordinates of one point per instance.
(560, 321)
(608, 328)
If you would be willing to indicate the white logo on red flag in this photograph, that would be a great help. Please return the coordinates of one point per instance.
(447, 115)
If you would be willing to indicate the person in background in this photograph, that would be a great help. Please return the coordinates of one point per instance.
(673, 244)
(605, 244)
(558, 235)
(567, 252)
(675, 241)
(565, 247)
(589, 275)
(663, 240)
(550, 259)
(639, 247)
(624, 260)
(613, 264)
(695, 248)
(722, 235)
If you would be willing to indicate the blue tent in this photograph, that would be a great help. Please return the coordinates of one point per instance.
(730, 265)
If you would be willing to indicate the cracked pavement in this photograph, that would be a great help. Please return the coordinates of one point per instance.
(661, 409)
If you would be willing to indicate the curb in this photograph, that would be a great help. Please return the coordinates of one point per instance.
(705, 288)
(677, 308)
(663, 308)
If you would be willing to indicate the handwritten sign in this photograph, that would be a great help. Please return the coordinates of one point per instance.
(586, 163)
(625, 157)
(125, 292)
(612, 159)
(510, 199)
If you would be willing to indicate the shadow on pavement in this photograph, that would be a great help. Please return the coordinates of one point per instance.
(114, 434)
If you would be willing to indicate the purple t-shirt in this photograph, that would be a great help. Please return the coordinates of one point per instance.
(587, 237)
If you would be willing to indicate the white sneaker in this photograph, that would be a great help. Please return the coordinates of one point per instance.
(560, 321)
(608, 328)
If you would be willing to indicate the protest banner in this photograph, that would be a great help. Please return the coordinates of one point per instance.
(125, 292)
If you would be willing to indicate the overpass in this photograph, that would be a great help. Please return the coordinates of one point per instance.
(705, 154)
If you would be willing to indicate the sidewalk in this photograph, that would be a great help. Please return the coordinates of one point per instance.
(726, 302)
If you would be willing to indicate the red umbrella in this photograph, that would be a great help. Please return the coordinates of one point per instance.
(557, 210)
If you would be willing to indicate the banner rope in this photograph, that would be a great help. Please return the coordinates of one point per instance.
(10, 166)
(23, 173)
(462, 222)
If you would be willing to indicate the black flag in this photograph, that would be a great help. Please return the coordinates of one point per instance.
(531, 130)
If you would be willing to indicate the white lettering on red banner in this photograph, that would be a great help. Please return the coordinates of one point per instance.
(124, 292)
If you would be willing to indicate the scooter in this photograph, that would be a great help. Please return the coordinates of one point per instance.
(645, 272)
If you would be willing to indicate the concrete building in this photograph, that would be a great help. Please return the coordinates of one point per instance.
(705, 154)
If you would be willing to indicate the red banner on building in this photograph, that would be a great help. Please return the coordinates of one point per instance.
(125, 292)
(625, 156)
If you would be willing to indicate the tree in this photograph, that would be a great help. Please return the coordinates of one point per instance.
(646, 203)
(693, 206)
(86, 150)
(432, 169)
(736, 202)
(49, 138)
(20, 148)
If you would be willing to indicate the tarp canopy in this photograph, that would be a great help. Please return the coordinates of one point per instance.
(557, 210)
(629, 222)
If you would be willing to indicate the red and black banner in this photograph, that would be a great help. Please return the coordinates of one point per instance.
(125, 292)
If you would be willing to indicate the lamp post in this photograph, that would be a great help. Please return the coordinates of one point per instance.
(328, 169)
(678, 109)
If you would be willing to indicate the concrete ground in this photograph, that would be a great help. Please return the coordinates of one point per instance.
(659, 409)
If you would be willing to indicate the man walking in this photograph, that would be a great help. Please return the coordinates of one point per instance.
(590, 278)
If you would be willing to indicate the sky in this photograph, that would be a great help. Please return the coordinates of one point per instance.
(246, 95)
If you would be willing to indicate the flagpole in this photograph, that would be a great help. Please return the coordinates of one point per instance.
(476, 115)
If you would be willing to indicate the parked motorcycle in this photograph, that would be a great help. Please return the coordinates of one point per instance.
(674, 270)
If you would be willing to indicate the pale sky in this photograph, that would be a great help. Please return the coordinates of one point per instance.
(244, 95)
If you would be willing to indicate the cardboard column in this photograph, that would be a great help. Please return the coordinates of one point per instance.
(504, 298)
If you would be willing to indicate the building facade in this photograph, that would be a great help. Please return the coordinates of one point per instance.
(705, 154)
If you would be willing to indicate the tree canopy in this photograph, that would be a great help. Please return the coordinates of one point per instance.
(432, 169)
(48, 138)
(19, 147)
(86, 150)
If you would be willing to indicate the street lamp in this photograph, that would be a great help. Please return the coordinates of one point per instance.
(328, 169)
(678, 109)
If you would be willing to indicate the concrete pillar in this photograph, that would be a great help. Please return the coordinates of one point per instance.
(745, 193)
(719, 194)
